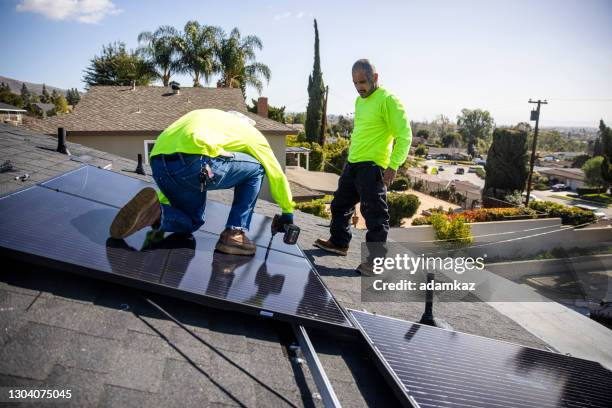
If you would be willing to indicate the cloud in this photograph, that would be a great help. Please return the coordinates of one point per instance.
(282, 16)
(289, 14)
(84, 11)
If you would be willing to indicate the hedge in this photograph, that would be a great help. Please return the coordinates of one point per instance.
(568, 215)
(401, 206)
(315, 207)
(482, 215)
(590, 190)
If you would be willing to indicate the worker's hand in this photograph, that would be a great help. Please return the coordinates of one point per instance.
(279, 222)
(286, 219)
(388, 176)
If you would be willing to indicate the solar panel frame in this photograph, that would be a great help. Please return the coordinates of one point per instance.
(339, 319)
(561, 362)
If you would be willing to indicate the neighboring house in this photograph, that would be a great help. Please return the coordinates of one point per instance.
(126, 120)
(573, 178)
(43, 108)
(450, 153)
(296, 126)
(11, 114)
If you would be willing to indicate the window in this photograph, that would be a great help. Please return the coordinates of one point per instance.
(148, 146)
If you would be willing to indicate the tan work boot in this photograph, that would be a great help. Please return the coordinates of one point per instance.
(365, 269)
(330, 247)
(141, 211)
(235, 242)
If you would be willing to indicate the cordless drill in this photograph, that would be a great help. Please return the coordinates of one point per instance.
(291, 231)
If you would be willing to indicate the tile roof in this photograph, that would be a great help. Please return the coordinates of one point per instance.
(147, 108)
(114, 349)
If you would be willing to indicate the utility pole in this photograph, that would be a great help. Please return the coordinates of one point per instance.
(535, 115)
(324, 118)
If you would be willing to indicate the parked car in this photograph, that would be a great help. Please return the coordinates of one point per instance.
(480, 161)
(531, 196)
(460, 170)
(559, 187)
(441, 168)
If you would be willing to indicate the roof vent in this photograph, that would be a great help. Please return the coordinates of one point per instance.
(176, 87)
(133, 85)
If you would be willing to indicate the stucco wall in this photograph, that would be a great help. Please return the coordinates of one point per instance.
(130, 146)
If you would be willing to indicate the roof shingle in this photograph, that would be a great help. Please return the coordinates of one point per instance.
(147, 109)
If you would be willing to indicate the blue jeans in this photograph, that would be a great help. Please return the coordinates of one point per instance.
(178, 177)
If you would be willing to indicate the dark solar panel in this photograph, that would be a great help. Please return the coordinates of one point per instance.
(71, 233)
(433, 367)
(116, 190)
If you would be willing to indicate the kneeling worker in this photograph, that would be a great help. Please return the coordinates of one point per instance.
(207, 149)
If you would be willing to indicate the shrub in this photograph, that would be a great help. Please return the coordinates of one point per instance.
(599, 198)
(568, 215)
(400, 184)
(421, 150)
(480, 172)
(455, 231)
(401, 206)
(590, 190)
(314, 207)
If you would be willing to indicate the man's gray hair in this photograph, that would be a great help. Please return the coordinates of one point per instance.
(365, 65)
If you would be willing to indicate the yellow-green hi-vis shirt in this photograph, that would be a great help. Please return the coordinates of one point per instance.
(211, 132)
(380, 120)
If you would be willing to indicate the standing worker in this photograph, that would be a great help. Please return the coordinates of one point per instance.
(379, 145)
(207, 149)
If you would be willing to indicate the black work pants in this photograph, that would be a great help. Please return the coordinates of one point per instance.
(360, 182)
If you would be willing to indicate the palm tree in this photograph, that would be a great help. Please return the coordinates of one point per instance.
(161, 48)
(197, 47)
(238, 67)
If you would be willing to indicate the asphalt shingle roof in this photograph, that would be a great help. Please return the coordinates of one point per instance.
(147, 109)
(114, 349)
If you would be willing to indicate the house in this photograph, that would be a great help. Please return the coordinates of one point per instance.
(43, 108)
(449, 153)
(113, 348)
(11, 114)
(573, 178)
(126, 120)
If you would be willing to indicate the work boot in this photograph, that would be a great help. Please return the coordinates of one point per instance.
(330, 247)
(141, 211)
(235, 242)
(366, 269)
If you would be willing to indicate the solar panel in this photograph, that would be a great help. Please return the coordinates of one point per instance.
(432, 367)
(116, 190)
(67, 232)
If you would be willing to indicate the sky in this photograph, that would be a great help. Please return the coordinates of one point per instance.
(437, 56)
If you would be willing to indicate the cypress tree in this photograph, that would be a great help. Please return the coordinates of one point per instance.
(316, 89)
(45, 97)
(507, 166)
(25, 94)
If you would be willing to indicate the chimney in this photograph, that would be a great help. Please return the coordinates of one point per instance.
(262, 106)
(61, 141)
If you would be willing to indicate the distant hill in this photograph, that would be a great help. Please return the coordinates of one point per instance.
(15, 86)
